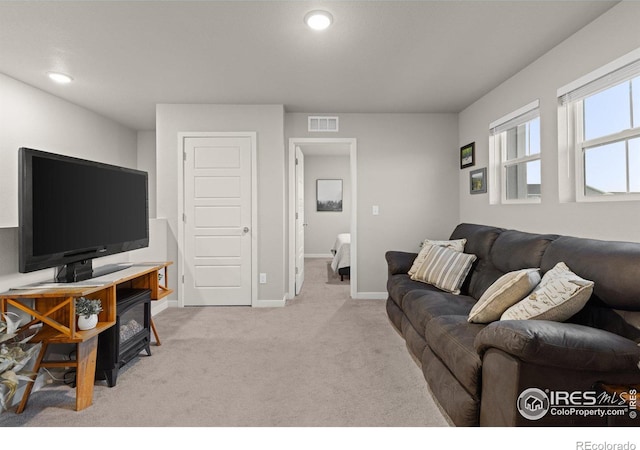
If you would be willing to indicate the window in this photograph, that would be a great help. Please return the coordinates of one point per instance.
(602, 130)
(515, 150)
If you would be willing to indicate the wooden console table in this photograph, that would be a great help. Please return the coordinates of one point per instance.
(53, 305)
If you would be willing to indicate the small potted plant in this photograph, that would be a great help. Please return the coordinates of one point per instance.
(87, 311)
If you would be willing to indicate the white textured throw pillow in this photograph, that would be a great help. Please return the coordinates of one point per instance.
(456, 244)
(444, 268)
(560, 294)
(505, 292)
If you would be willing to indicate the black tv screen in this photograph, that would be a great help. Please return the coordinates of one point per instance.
(73, 210)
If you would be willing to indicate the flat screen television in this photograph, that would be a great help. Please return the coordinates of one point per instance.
(73, 210)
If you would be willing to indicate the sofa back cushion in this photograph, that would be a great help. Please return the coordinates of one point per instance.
(480, 239)
(517, 250)
(499, 251)
(597, 315)
(614, 267)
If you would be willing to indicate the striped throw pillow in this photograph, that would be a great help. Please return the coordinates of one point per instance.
(456, 244)
(444, 268)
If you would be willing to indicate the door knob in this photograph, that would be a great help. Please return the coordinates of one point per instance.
(245, 230)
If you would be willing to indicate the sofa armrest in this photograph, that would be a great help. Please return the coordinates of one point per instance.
(559, 344)
(399, 262)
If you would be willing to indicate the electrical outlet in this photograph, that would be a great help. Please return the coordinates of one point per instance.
(375, 210)
(263, 278)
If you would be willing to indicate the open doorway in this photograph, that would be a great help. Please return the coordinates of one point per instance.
(325, 219)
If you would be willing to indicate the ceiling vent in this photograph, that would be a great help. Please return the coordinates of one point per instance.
(323, 123)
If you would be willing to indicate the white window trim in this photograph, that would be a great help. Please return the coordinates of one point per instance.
(515, 114)
(601, 72)
(579, 148)
(570, 129)
(498, 180)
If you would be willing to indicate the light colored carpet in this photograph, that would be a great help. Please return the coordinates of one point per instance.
(324, 360)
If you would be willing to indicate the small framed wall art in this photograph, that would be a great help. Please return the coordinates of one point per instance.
(468, 155)
(329, 195)
(478, 181)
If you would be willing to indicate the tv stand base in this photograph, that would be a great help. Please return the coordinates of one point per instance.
(73, 272)
(83, 270)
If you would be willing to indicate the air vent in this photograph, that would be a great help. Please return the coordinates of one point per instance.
(323, 123)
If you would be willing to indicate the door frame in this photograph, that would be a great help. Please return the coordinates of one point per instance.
(252, 135)
(353, 150)
(298, 225)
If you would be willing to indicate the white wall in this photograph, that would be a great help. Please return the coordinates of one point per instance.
(407, 165)
(33, 118)
(267, 121)
(323, 226)
(610, 36)
(147, 161)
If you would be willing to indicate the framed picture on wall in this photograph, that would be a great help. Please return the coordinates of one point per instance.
(468, 155)
(329, 195)
(478, 179)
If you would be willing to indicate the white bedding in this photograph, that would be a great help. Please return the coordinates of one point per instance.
(341, 251)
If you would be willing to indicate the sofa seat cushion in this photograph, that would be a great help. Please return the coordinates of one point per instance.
(451, 339)
(420, 306)
(461, 407)
(399, 285)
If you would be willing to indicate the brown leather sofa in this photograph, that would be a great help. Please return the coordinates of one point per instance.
(478, 373)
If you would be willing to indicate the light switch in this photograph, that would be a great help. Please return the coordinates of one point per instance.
(263, 278)
(376, 210)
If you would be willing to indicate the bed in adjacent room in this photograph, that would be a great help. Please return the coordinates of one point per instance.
(341, 250)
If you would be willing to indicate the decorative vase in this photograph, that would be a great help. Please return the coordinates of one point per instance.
(87, 323)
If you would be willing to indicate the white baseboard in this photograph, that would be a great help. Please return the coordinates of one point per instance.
(270, 303)
(372, 295)
(318, 255)
(160, 305)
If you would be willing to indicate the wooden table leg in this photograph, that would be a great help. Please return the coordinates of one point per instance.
(86, 356)
(155, 333)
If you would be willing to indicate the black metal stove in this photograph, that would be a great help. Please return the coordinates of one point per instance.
(128, 337)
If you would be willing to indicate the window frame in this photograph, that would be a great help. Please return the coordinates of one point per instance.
(571, 123)
(499, 161)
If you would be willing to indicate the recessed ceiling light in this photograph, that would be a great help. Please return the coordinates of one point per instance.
(60, 77)
(318, 20)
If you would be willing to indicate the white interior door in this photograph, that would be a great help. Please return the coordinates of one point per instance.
(300, 224)
(217, 221)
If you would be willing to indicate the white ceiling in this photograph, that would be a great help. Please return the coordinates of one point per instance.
(379, 56)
